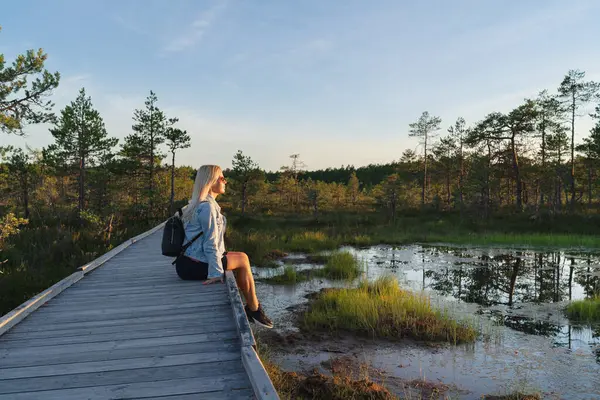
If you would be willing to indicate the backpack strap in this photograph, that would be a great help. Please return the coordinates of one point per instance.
(188, 244)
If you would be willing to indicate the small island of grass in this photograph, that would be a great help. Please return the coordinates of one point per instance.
(585, 310)
(382, 309)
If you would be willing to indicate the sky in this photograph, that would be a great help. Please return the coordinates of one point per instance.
(337, 82)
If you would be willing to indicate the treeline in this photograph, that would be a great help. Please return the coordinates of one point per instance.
(524, 159)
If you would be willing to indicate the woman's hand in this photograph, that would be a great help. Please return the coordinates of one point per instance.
(213, 280)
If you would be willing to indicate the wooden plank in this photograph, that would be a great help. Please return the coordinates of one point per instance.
(173, 387)
(121, 335)
(141, 264)
(244, 394)
(118, 354)
(239, 314)
(47, 351)
(87, 268)
(83, 380)
(133, 286)
(38, 325)
(133, 300)
(91, 300)
(203, 326)
(261, 383)
(173, 287)
(106, 280)
(82, 295)
(22, 311)
(124, 295)
(118, 365)
(63, 318)
(102, 309)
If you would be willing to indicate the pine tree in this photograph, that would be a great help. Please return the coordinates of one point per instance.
(425, 128)
(459, 133)
(176, 139)
(16, 108)
(81, 139)
(591, 150)
(512, 127)
(575, 92)
(353, 188)
(549, 113)
(21, 174)
(141, 146)
(245, 171)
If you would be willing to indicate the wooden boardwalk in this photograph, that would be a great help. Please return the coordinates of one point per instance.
(126, 327)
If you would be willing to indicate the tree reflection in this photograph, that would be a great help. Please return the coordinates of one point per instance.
(512, 277)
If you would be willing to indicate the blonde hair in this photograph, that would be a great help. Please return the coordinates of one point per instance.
(206, 177)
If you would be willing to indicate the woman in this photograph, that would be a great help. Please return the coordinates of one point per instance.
(206, 259)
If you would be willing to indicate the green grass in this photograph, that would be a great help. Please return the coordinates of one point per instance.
(290, 276)
(311, 241)
(585, 310)
(340, 265)
(381, 309)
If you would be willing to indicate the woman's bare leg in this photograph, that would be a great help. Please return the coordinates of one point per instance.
(239, 263)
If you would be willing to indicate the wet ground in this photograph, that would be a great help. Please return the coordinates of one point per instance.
(516, 297)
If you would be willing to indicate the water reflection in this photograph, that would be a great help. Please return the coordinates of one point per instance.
(491, 279)
(509, 286)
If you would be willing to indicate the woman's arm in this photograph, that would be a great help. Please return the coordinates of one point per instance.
(208, 221)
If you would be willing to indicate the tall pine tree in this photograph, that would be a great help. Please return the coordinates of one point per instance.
(575, 92)
(425, 128)
(81, 138)
(141, 147)
(176, 139)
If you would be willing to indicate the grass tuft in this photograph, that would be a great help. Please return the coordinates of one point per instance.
(310, 241)
(288, 277)
(340, 265)
(382, 309)
(585, 310)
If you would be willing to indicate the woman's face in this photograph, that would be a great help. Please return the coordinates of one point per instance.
(219, 186)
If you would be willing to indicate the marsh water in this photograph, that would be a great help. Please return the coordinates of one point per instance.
(516, 297)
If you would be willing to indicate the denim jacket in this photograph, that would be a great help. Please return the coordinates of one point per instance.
(210, 246)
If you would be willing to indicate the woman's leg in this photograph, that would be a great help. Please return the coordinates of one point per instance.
(239, 263)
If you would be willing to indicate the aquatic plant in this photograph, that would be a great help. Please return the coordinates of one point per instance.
(340, 265)
(382, 309)
(584, 310)
(289, 276)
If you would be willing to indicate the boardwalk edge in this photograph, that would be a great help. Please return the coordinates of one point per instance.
(261, 383)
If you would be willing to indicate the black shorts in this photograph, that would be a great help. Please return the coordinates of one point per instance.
(192, 270)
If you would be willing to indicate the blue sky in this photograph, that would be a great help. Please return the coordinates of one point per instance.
(336, 81)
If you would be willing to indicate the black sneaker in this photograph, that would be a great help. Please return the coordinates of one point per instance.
(258, 316)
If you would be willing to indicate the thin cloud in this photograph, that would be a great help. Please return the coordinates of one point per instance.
(130, 25)
(525, 27)
(196, 30)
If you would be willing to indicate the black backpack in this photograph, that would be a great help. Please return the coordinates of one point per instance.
(174, 236)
